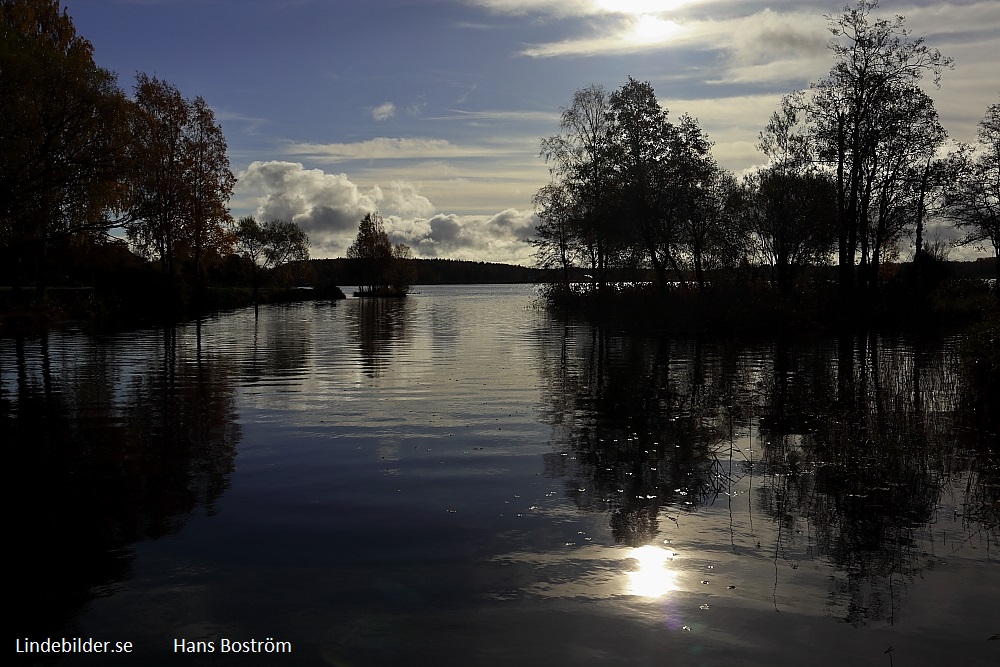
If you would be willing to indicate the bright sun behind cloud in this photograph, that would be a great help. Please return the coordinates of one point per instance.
(648, 29)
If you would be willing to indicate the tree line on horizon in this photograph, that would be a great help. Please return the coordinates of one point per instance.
(853, 166)
(81, 158)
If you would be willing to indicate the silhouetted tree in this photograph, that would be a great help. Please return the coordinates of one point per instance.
(63, 133)
(631, 188)
(157, 187)
(383, 269)
(641, 140)
(210, 183)
(401, 272)
(578, 203)
(895, 188)
(792, 218)
(180, 182)
(973, 203)
(556, 239)
(789, 206)
(268, 247)
(702, 193)
(854, 115)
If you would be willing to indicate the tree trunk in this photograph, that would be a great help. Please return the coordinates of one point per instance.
(699, 272)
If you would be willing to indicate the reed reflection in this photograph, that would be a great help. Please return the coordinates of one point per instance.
(847, 446)
(636, 424)
(107, 453)
(867, 471)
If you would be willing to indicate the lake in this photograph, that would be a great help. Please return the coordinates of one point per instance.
(462, 478)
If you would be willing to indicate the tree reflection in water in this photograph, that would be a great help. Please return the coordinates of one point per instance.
(847, 446)
(106, 455)
(377, 323)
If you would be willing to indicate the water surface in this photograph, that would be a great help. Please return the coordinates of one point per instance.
(463, 478)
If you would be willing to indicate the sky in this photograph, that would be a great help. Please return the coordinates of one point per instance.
(431, 111)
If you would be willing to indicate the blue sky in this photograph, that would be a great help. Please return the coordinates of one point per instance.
(431, 110)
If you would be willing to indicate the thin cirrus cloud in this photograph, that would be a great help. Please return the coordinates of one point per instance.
(756, 38)
(575, 8)
(397, 148)
(616, 27)
(547, 118)
(624, 35)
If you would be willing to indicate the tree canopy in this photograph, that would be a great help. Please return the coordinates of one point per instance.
(861, 115)
(79, 158)
(629, 187)
(973, 202)
(63, 134)
(179, 179)
(852, 170)
(385, 269)
(268, 247)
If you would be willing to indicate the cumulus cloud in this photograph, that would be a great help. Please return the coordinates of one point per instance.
(329, 206)
(384, 111)
(322, 204)
(497, 238)
(402, 199)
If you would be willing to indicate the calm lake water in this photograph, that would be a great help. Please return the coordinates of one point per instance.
(461, 478)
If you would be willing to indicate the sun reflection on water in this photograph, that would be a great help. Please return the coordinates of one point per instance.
(652, 578)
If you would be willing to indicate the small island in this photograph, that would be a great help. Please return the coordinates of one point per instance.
(382, 269)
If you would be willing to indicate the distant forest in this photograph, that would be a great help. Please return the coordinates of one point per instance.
(426, 272)
(343, 272)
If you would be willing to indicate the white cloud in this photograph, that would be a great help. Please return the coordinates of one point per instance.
(491, 173)
(402, 199)
(618, 35)
(417, 105)
(384, 111)
(492, 238)
(463, 98)
(329, 206)
(556, 8)
(944, 18)
(746, 40)
(769, 47)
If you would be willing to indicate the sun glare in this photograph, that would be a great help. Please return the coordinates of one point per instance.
(649, 29)
(652, 579)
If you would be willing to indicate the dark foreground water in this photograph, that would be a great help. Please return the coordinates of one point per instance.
(462, 479)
